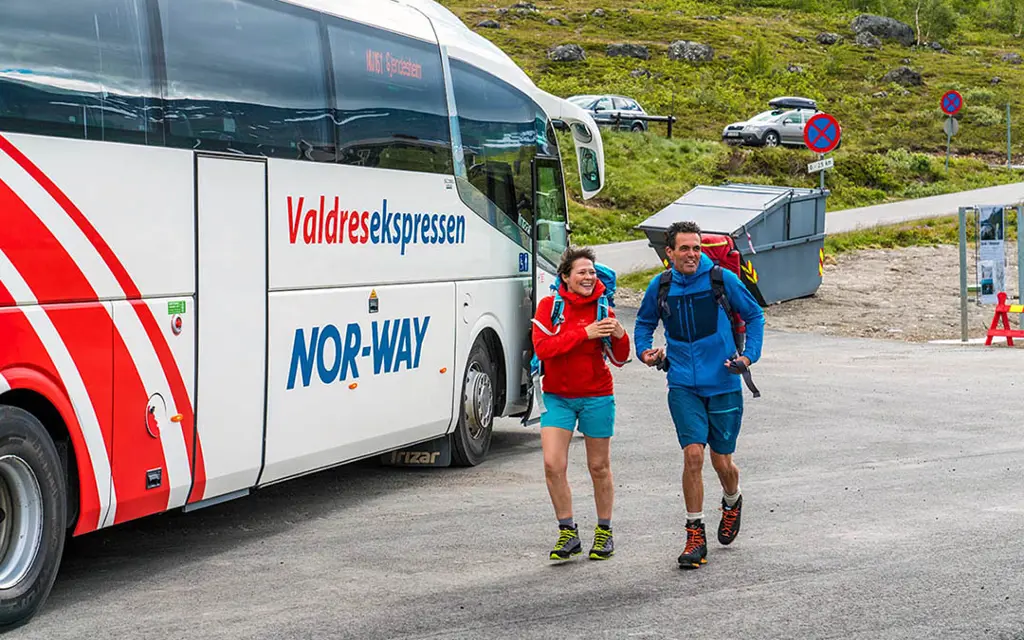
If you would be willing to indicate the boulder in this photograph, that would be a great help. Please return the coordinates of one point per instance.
(795, 68)
(567, 53)
(1012, 58)
(885, 28)
(628, 51)
(828, 39)
(904, 76)
(690, 51)
(868, 39)
(599, 13)
(555, 22)
(639, 73)
(489, 24)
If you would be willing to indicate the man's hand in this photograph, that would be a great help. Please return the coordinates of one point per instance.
(651, 357)
(729, 364)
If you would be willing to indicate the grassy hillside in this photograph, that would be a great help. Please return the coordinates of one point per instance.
(893, 146)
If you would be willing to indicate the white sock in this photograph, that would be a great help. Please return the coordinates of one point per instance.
(694, 516)
(731, 500)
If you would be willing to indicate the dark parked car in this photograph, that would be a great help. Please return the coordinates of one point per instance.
(604, 107)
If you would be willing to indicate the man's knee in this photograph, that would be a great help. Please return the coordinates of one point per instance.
(722, 463)
(693, 457)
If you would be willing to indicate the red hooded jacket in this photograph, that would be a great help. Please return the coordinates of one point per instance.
(574, 367)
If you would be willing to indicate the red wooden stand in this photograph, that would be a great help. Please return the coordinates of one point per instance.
(1002, 309)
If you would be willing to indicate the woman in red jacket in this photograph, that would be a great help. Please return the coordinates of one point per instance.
(578, 390)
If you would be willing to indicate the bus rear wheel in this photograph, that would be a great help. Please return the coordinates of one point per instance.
(472, 437)
(33, 510)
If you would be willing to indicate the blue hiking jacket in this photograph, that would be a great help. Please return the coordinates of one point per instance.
(698, 333)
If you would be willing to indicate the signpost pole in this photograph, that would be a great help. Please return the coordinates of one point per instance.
(821, 156)
(949, 139)
(963, 274)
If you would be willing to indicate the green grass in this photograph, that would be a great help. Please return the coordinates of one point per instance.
(893, 147)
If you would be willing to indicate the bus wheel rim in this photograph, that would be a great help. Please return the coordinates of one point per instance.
(21, 530)
(478, 402)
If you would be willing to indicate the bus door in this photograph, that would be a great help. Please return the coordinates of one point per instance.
(232, 322)
(550, 237)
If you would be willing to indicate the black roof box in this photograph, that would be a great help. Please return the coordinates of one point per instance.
(793, 103)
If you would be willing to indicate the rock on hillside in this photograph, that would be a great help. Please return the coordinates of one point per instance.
(886, 28)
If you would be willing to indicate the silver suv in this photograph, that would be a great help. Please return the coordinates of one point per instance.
(605, 107)
(783, 124)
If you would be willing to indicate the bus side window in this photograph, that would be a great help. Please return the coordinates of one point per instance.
(246, 78)
(391, 108)
(502, 131)
(78, 70)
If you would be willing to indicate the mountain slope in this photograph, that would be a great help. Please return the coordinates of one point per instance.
(893, 144)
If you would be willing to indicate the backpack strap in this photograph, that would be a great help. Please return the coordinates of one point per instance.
(664, 283)
(738, 328)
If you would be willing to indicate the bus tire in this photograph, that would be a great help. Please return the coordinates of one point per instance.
(33, 507)
(472, 438)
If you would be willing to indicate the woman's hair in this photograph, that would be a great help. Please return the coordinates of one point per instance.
(571, 255)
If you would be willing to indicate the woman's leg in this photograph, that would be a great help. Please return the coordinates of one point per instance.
(554, 442)
(599, 461)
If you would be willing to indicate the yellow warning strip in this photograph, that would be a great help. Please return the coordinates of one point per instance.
(1017, 308)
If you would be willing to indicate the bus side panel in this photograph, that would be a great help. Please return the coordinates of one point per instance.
(357, 371)
(34, 358)
(124, 213)
(503, 306)
(151, 451)
(339, 226)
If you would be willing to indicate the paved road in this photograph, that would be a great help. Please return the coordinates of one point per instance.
(636, 255)
(881, 501)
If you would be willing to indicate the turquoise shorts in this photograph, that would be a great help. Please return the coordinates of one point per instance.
(713, 421)
(596, 416)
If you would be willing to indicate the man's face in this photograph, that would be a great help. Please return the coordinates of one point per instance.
(685, 256)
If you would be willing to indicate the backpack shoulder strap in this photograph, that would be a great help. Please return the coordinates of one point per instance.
(718, 288)
(664, 284)
(557, 306)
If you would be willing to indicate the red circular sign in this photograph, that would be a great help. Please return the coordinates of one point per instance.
(952, 102)
(822, 133)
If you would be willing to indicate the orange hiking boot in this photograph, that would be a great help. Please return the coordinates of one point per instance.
(696, 551)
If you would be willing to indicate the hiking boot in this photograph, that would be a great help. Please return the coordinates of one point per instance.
(696, 551)
(729, 527)
(604, 546)
(568, 544)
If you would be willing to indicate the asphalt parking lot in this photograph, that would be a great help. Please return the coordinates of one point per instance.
(883, 498)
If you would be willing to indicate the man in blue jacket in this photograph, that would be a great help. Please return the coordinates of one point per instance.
(705, 398)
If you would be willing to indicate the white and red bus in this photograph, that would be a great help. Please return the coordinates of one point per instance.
(246, 240)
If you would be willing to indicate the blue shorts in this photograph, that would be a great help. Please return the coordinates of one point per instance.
(596, 416)
(713, 421)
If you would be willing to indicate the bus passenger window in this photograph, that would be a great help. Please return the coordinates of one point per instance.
(391, 108)
(245, 78)
(502, 131)
(77, 70)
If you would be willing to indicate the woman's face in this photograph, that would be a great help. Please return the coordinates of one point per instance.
(582, 278)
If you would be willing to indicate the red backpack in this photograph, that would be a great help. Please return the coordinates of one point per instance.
(722, 251)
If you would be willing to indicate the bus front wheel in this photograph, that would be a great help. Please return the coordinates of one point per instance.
(472, 437)
(33, 510)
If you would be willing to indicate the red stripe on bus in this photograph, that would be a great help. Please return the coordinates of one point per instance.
(27, 365)
(159, 342)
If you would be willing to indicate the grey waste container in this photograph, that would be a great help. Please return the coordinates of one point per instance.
(783, 256)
